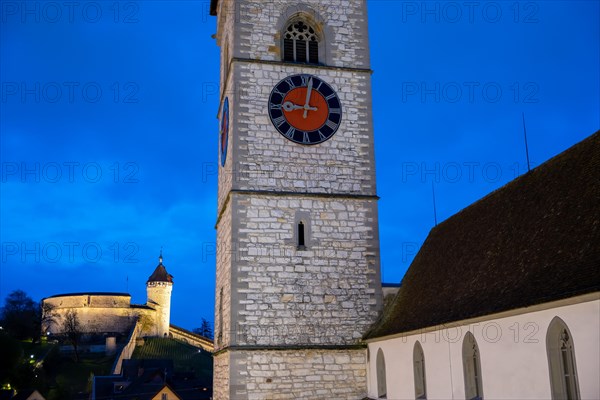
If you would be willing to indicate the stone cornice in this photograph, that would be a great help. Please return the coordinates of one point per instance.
(290, 348)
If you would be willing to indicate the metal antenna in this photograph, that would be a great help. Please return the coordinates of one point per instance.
(526, 146)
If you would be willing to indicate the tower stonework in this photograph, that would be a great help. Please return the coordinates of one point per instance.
(298, 276)
(158, 289)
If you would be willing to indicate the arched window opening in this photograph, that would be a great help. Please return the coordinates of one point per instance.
(300, 43)
(561, 360)
(419, 372)
(301, 242)
(472, 368)
(381, 382)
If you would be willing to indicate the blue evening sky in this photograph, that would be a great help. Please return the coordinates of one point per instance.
(109, 134)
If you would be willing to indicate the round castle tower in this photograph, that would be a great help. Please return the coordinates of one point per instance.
(158, 288)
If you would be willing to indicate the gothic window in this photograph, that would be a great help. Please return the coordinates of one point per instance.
(472, 368)
(381, 383)
(419, 372)
(561, 360)
(300, 43)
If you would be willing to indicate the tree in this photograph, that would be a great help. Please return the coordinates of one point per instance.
(19, 316)
(205, 329)
(72, 330)
(47, 316)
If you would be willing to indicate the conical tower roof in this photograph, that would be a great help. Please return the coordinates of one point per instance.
(160, 274)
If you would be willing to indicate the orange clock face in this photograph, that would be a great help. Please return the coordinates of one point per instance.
(305, 109)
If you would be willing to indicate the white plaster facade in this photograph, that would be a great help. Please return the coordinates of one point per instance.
(513, 353)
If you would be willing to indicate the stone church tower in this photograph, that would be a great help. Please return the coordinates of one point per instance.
(158, 289)
(298, 276)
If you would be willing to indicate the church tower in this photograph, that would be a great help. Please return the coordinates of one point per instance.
(158, 289)
(298, 276)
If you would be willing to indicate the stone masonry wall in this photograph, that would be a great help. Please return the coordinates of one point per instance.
(159, 297)
(275, 294)
(266, 160)
(96, 313)
(221, 376)
(341, 24)
(327, 294)
(299, 374)
(224, 281)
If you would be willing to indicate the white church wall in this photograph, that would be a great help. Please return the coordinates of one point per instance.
(514, 361)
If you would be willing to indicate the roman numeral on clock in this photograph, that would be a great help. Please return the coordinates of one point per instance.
(290, 82)
(331, 124)
(279, 121)
(305, 138)
(290, 132)
(335, 110)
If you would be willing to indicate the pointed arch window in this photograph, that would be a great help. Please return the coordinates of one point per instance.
(419, 372)
(472, 368)
(381, 381)
(561, 360)
(300, 43)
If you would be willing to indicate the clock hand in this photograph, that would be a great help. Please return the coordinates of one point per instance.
(289, 106)
(308, 93)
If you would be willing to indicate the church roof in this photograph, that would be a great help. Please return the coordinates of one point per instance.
(532, 241)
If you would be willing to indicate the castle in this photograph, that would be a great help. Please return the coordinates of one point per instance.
(100, 312)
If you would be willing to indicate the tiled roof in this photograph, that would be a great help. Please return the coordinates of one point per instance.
(535, 240)
(160, 274)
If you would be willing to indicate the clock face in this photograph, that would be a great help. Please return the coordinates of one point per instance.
(305, 109)
(224, 131)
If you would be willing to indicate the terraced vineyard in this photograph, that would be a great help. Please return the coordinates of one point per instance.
(185, 357)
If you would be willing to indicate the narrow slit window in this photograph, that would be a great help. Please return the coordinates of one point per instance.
(301, 242)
